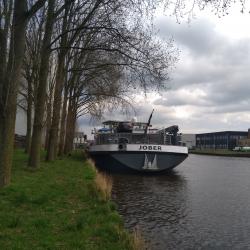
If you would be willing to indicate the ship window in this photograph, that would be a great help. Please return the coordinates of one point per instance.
(123, 140)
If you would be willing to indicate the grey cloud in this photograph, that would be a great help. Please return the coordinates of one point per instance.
(199, 36)
(209, 62)
(172, 98)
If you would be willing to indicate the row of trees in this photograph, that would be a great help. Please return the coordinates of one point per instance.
(67, 58)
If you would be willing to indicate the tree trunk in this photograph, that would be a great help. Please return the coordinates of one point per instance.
(70, 128)
(60, 76)
(53, 135)
(63, 123)
(34, 159)
(7, 128)
(29, 118)
(48, 123)
(4, 34)
(9, 88)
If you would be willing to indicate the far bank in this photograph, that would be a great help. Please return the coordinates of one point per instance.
(219, 152)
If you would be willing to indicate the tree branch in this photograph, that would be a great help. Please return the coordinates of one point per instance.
(38, 5)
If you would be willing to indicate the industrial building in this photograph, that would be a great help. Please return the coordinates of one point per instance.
(220, 140)
(245, 142)
(188, 140)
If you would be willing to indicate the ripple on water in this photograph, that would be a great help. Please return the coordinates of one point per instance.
(204, 204)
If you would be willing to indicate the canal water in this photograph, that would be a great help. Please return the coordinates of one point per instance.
(203, 204)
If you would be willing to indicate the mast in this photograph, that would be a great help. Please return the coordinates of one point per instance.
(148, 124)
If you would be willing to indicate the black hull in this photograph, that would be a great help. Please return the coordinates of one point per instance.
(135, 161)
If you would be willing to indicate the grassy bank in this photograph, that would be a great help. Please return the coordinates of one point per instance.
(58, 207)
(220, 152)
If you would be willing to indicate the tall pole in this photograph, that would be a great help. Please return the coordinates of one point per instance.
(148, 124)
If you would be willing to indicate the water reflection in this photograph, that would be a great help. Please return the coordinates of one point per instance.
(153, 203)
(204, 204)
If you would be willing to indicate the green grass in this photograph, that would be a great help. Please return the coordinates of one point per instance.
(58, 207)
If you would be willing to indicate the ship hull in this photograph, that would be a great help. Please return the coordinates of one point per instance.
(143, 158)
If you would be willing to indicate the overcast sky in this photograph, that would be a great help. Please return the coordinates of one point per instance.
(210, 84)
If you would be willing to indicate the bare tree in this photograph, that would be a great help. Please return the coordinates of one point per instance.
(104, 24)
(66, 42)
(11, 64)
(34, 158)
(31, 65)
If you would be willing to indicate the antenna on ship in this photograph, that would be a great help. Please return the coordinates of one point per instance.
(148, 124)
